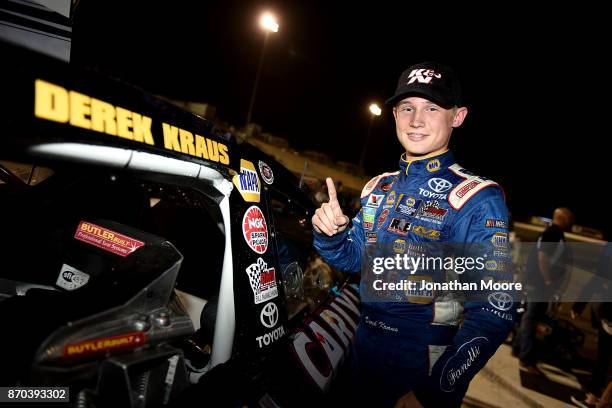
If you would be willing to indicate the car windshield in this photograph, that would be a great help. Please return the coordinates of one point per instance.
(50, 213)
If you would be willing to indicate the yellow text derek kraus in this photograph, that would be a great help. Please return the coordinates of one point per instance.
(58, 104)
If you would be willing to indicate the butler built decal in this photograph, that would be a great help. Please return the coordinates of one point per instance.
(102, 345)
(106, 239)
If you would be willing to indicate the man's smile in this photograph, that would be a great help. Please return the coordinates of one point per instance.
(416, 137)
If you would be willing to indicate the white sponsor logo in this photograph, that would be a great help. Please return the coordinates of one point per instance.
(262, 280)
(71, 278)
(456, 369)
(505, 316)
(429, 194)
(268, 338)
(377, 324)
(439, 185)
(423, 76)
(501, 301)
(455, 374)
(269, 315)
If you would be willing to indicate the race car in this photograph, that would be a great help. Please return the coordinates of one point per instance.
(153, 259)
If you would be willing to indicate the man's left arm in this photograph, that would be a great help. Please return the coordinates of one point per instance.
(487, 318)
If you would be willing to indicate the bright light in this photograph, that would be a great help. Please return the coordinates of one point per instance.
(268, 22)
(375, 109)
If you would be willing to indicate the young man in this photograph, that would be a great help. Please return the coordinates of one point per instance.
(421, 348)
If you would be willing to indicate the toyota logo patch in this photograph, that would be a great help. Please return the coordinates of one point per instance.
(439, 185)
(269, 315)
(501, 301)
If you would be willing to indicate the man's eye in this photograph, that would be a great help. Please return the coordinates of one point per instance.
(406, 109)
(432, 109)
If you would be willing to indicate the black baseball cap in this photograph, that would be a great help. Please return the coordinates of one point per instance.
(430, 80)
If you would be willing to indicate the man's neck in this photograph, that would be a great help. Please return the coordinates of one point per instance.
(410, 157)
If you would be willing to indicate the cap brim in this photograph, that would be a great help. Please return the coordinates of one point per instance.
(427, 95)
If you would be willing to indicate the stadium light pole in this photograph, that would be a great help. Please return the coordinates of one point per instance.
(374, 111)
(269, 25)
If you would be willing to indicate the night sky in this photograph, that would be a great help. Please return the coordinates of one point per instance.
(536, 81)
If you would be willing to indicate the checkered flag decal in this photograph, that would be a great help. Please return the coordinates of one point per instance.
(266, 290)
(254, 271)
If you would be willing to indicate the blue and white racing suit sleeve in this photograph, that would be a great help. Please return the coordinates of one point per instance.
(487, 319)
(345, 249)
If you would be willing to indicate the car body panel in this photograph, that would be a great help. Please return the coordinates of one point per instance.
(79, 121)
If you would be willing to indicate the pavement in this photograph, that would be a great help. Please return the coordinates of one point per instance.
(501, 384)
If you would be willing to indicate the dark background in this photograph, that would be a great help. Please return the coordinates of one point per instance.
(536, 80)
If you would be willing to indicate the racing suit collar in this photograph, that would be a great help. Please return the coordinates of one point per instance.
(426, 165)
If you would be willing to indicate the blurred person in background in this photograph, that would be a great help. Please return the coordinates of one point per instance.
(546, 267)
(600, 287)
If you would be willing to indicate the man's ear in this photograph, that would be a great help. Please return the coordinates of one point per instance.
(394, 112)
(459, 117)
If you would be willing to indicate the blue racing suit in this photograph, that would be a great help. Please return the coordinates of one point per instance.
(425, 343)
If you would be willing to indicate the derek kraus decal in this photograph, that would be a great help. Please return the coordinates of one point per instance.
(106, 239)
(183, 141)
(262, 280)
(255, 229)
(58, 104)
(55, 103)
(247, 182)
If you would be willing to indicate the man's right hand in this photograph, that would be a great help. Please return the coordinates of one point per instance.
(329, 219)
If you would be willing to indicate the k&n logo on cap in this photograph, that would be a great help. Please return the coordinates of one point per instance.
(422, 75)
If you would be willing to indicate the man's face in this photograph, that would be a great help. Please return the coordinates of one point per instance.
(424, 128)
